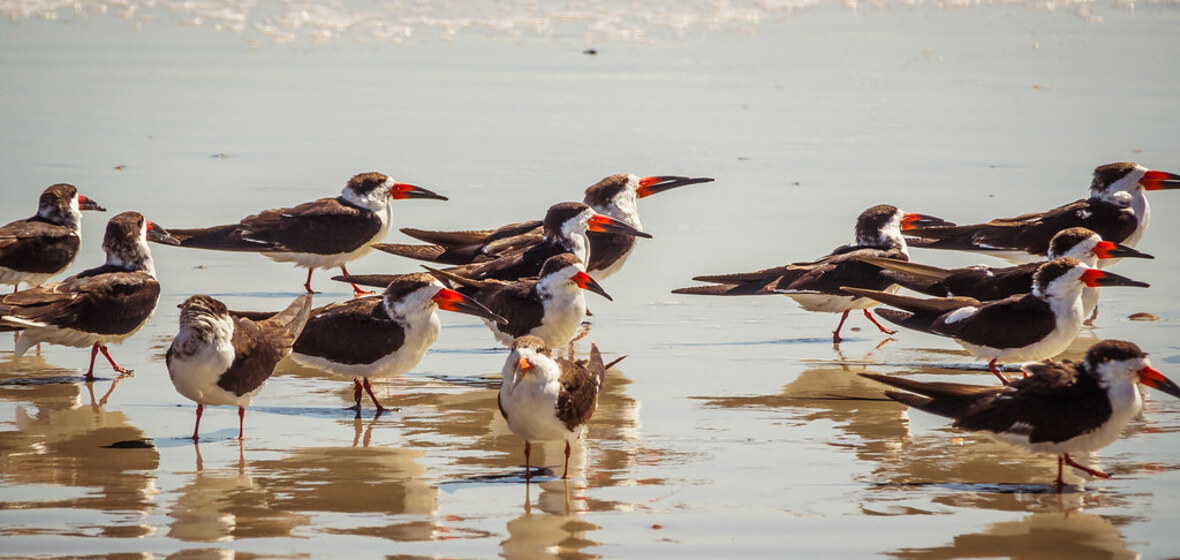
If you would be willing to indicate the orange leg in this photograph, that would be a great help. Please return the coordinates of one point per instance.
(565, 473)
(102, 348)
(307, 285)
(991, 366)
(528, 470)
(357, 291)
(1092, 472)
(369, 390)
(241, 423)
(873, 320)
(197, 426)
(836, 333)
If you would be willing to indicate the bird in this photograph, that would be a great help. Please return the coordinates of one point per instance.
(565, 227)
(551, 307)
(614, 196)
(1116, 210)
(1023, 327)
(1061, 407)
(99, 306)
(219, 359)
(35, 249)
(380, 336)
(325, 233)
(816, 285)
(987, 283)
(544, 398)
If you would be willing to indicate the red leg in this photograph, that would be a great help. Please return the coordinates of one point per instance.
(528, 471)
(241, 423)
(307, 285)
(357, 291)
(1060, 466)
(356, 392)
(369, 390)
(991, 366)
(1092, 472)
(93, 355)
(836, 333)
(114, 366)
(873, 320)
(565, 473)
(197, 426)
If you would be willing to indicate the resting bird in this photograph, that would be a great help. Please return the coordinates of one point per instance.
(815, 285)
(219, 359)
(96, 307)
(1060, 408)
(325, 233)
(35, 249)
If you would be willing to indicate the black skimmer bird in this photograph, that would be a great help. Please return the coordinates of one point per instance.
(551, 307)
(1116, 210)
(219, 359)
(1026, 327)
(565, 227)
(380, 336)
(35, 249)
(545, 398)
(987, 283)
(1059, 408)
(96, 307)
(816, 285)
(325, 233)
(615, 196)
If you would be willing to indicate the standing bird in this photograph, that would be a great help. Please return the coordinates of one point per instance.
(815, 285)
(987, 283)
(380, 336)
(325, 233)
(1116, 210)
(565, 227)
(615, 196)
(1026, 327)
(547, 398)
(1060, 408)
(219, 359)
(96, 307)
(551, 307)
(34, 249)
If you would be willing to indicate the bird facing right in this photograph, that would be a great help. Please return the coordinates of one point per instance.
(1061, 408)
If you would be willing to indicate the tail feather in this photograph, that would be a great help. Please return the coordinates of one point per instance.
(452, 279)
(294, 317)
(370, 280)
(906, 319)
(596, 366)
(223, 238)
(429, 253)
(449, 238)
(935, 306)
(749, 289)
(952, 400)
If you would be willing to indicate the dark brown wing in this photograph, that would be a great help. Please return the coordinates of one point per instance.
(833, 272)
(37, 247)
(256, 354)
(355, 332)
(1014, 322)
(606, 248)
(517, 302)
(324, 227)
(952, 400)
(100, 302)
(513, 265)
(1053, 405)
(1030, 232)
(580, 385)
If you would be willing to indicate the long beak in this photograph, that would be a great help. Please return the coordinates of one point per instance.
(1153, 378)
(660, 183)
(1160, 180)
(402, 191)
(1096, 277)
(1111, 250)
(610, 225)
(585, 282)
(450, 300)
(86, 203)
(911, 221)
(156, 233)
(523, 365)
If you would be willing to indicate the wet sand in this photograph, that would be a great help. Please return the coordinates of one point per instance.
(733, 427)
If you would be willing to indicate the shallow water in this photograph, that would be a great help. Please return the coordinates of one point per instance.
(733, 426)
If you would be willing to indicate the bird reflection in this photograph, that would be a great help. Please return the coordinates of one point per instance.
(1066, 534)
(557, 531)
(84, 456)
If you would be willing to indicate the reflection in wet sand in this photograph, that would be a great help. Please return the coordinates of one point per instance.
(61, 436)
(556, 531)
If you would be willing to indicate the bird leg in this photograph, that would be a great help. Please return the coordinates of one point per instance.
(1092, 472)
(369, 390)
(528, 471)
(565, 473)
(241, 423)
(197, 426)
(991, 366)
(357, 291)
(356, 394)
(93, 355)
(307, 285)
(102, 348)
(836, 333)
(873, 320)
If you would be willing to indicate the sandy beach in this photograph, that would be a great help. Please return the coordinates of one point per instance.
(734, 426)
